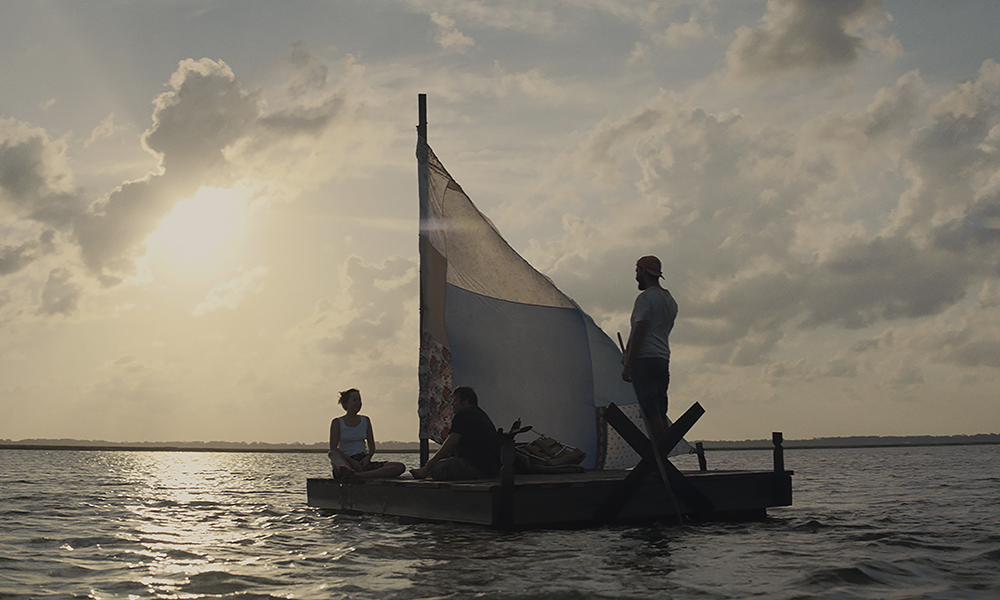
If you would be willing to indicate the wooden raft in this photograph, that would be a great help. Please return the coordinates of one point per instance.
(569, 500)
(572, 500)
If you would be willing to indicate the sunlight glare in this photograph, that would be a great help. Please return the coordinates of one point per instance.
(199, 227)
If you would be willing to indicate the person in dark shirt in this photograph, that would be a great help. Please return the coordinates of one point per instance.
(472, 448)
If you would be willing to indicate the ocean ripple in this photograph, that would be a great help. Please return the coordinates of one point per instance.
(235, 525)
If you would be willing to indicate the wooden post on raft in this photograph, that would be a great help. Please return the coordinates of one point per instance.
(503, 507)
(699, 449)
(782, 481)
(779, 461)
(425, 451)
(779, 452)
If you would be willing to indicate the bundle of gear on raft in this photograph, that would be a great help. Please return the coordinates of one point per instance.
(544, 454)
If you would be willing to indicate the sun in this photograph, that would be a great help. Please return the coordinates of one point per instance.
(199, 227)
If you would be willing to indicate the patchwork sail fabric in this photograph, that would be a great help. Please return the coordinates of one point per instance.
(491, 321)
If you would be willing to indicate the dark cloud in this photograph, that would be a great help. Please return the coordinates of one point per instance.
(802, 35)
(60, 294)
(15, 258)
(983, 353)
(33, 180)
(743, 306)
(977, 234)
(310, 74)
(969, 342)
(850, 362)
(110, 233)
(207, 111)
(303, 120)
(21, 175)
(884, 279)
(35, 188)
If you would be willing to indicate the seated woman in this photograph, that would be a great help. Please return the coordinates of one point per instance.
(349, 436)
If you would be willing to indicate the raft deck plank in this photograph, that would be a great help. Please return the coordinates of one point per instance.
(551, 500)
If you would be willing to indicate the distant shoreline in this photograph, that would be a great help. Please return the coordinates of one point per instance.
(800, 446)
(167, 448)
(413, 447)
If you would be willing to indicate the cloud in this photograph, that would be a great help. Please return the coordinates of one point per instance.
(850, 220)
(980, 353)
(966, 339)
(301, 119)
(60, 294)
(21, 162)
(776, 373)
(105, 130)
(526, 17)
(639, 53)
(448, 36)
(15, 258)
(35, 181)
(530, 83)
(805, 35)
(311, 75)
(884, 279)
(230, 294)
(891, 115)
(206, 131)
(953, 156)
(375, 302)
(681, 35)
(207, 111)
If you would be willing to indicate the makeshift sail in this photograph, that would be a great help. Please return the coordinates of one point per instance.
(491, 321)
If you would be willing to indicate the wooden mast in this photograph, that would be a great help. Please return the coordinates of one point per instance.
(422, 177)
(422, 110)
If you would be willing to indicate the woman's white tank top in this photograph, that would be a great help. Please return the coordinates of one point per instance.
(352, 439)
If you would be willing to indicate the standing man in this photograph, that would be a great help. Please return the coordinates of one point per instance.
(647, 356)
(472, 448)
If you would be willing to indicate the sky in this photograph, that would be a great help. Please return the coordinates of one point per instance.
(208, 209)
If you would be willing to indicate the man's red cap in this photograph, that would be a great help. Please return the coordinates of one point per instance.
(651, 264)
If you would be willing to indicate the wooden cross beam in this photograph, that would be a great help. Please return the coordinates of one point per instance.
(682, 488)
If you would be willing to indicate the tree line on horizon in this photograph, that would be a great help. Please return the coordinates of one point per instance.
(848, 441)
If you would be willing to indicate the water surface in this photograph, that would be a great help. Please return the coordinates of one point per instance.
(884, 523)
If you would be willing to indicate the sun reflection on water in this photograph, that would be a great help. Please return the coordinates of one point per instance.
(184, 510)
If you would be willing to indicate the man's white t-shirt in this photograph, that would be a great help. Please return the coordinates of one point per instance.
(656, 305)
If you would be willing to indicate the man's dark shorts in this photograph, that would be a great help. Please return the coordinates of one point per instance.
(650, 379)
